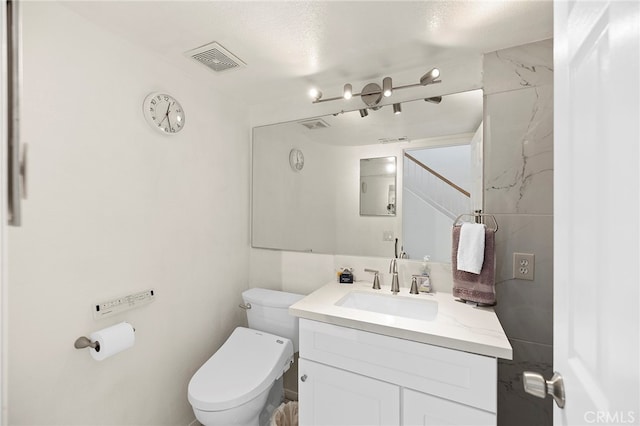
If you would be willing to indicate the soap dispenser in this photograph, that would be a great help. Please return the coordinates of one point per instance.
(425, 278)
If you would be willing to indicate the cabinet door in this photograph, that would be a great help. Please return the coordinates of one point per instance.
(426, 410)
(330, 396)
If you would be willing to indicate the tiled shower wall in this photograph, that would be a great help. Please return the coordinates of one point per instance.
(518, 190)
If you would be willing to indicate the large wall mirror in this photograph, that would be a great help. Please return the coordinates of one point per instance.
(307, 182)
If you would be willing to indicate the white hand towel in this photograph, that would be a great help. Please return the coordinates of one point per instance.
(471, 247)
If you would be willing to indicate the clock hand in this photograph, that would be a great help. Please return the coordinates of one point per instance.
(166, 115)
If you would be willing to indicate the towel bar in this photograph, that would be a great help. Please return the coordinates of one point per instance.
(477, 216)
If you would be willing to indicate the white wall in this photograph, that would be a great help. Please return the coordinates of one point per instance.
(292, 208)
(116, 207)
(3, 219)
(431, 230)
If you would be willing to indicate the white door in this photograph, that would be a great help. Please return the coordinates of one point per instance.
(334, 397)
(596, 213)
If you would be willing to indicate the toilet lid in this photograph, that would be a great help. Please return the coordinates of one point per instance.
(245, 366)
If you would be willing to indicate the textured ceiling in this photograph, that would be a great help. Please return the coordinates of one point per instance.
(289, 46)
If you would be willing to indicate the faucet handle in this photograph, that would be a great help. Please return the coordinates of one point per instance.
(376, 278)
(414, 285)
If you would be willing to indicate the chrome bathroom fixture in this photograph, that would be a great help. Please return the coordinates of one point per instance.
(373, 93)
(434, 100)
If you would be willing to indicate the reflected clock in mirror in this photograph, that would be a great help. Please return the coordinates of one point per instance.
(378, 186)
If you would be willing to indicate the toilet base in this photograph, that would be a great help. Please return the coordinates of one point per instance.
(275, 398)
(256, 412)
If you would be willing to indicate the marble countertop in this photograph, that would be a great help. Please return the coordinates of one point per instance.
(457, 325)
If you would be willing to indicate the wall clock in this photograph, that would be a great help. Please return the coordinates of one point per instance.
(164, 113)
(296, 159)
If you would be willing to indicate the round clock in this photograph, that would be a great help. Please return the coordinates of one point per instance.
(164, 113)
(296, 159)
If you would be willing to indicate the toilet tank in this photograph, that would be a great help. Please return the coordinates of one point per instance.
(270, 312)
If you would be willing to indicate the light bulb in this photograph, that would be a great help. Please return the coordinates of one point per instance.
(348, 91)
(386, 86)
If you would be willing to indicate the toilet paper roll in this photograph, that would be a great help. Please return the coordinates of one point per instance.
(112, 340)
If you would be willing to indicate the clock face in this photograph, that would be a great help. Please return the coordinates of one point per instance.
(164, 113)
(296, 159)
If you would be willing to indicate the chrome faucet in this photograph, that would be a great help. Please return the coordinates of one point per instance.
(393, 269)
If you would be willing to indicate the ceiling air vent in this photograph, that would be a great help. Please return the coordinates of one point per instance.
(314, 124)
(394, 140)
(215, 57)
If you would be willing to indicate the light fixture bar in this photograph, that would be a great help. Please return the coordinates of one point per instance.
(387, 87)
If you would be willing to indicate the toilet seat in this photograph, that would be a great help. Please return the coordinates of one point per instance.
(246, 365)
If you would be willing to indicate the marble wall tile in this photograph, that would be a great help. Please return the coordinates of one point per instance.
(515, 406)
(525, 308)
(518, 170)
(529, 65)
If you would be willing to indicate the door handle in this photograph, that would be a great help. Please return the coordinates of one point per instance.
(536, 385)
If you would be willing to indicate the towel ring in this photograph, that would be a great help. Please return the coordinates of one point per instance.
(477, 216)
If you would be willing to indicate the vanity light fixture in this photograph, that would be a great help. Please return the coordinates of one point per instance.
(430, 77)
(315, 94)
(387, 87)
(397, 107)
(347, 92)
(372, 93)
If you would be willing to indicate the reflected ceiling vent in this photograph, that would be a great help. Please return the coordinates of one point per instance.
(314, 124)
(215, 57)
(394, 140)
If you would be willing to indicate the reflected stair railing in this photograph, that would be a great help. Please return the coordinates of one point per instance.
(435, 189)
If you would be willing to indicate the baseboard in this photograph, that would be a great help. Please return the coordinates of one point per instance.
(195, 422)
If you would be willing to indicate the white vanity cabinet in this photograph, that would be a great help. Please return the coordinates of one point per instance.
(333, 396)
(353, 377)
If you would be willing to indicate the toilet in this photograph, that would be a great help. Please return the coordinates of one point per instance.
(241, 384)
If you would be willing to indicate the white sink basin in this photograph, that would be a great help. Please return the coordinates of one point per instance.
(400, 306)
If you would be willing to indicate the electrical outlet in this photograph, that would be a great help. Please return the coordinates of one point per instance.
(523, 266)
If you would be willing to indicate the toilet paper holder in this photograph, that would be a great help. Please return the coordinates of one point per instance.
(84, 342)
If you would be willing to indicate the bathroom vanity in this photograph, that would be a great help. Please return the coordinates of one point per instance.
(369, 357)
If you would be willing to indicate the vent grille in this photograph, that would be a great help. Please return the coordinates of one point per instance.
(394, 140)
(314, 124)
(215, 57)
